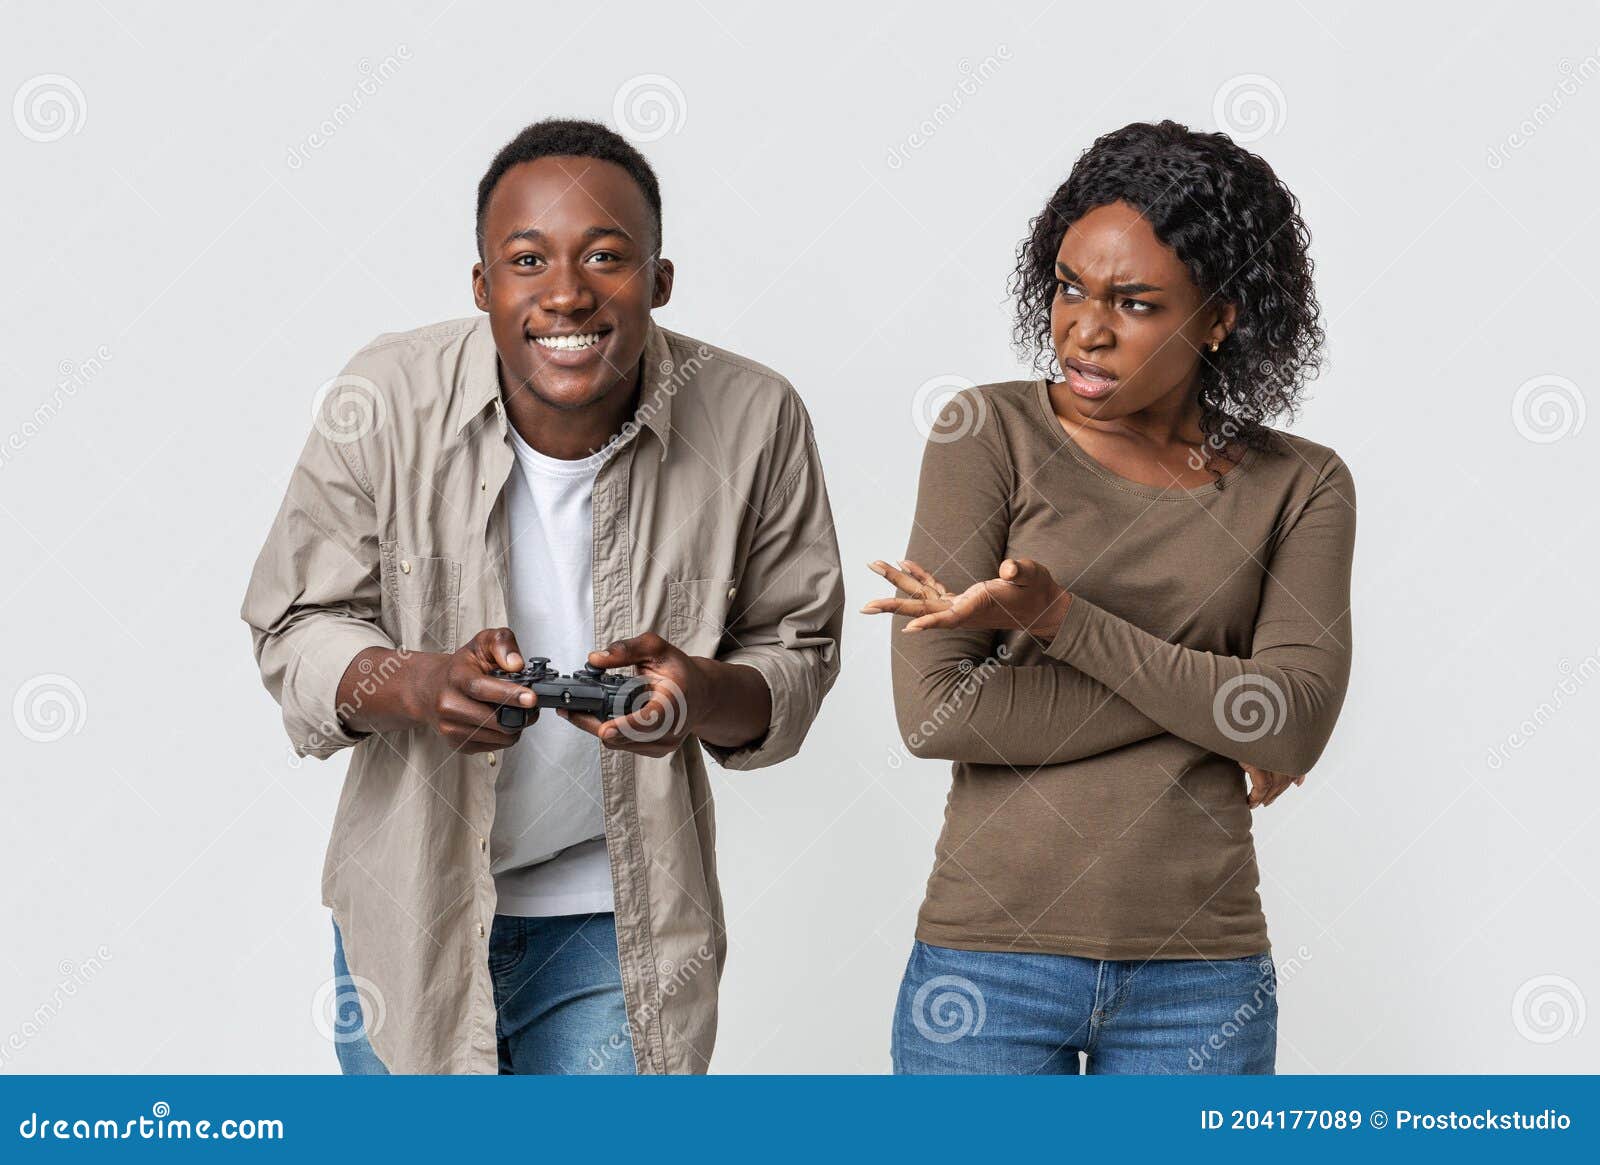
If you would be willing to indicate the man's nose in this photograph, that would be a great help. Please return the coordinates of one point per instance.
(566, 291)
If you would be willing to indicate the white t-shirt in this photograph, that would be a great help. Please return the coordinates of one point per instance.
(548, 850)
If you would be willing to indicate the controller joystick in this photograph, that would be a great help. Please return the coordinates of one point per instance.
(589, 689)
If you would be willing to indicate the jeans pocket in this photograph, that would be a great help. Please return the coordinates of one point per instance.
(508, 942)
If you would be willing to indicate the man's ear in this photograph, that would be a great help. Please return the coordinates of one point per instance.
(480, 286)
(662, 291)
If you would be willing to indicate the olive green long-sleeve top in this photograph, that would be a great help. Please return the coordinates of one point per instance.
(1097, 806)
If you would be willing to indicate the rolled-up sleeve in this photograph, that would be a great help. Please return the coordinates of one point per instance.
(314, 597)
(789, 616)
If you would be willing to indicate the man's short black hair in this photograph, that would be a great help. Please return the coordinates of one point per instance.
(569, 137)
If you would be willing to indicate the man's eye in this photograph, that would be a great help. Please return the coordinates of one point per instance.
(605, 256)
(531, 260)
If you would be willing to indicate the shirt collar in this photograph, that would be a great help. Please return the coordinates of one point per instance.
(661, 378)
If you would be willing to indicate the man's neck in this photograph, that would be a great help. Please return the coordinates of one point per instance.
(570, 434)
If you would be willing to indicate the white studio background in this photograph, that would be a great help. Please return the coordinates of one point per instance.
(190, 253)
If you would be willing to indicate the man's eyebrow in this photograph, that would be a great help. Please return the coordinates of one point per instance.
(535, 235)
(1070, 276)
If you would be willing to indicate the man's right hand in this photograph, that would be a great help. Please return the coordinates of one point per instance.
(453, 695)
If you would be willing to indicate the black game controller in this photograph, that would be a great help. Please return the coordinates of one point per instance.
(589, 689)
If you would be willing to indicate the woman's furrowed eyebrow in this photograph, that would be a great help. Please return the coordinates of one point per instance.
(1070, 276)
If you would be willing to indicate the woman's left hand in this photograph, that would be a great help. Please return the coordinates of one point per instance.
(1266, 787)
(1025, 597)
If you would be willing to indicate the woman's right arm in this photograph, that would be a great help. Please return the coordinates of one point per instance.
(955, 698)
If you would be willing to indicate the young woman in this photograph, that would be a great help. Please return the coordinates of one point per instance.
(1124, 595)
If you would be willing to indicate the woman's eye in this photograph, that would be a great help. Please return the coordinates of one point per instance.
(1067, 290)
(1139, 307)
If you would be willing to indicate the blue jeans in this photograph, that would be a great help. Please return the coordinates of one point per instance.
(1002, 1012)
(557, 995)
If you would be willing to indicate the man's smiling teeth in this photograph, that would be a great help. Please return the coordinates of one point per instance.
(585, 340)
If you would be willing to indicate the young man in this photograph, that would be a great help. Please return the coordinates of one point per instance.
(556, 475)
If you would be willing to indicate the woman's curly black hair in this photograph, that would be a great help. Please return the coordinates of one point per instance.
(1236, 227)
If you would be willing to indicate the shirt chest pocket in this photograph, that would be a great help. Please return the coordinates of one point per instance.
(698, 610)
(421, 599)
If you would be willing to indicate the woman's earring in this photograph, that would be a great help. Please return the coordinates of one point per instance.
(1214, 344)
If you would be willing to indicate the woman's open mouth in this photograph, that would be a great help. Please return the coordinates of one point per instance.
(1086, 380)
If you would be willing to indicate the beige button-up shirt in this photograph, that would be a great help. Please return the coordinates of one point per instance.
(711, 527)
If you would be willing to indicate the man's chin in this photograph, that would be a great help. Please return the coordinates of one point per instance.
(566, 393)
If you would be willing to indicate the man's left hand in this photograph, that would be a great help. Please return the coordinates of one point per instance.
(679, 695)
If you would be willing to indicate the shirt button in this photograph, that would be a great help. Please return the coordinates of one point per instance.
(405, 566)
(491, 760)
(480, 930)
(483, 844)
(732, 591)
(484, 486)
